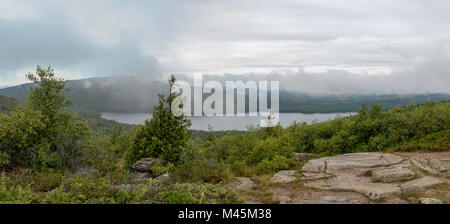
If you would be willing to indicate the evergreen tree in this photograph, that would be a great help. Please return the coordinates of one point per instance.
(165, 135)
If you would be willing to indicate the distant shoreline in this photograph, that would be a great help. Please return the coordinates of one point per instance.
(223, 123)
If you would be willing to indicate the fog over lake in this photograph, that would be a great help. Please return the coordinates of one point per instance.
(227, 123)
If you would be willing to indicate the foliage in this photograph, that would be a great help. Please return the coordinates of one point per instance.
(198, 194)
(58, 188)
(41, 132)
(433, 142)
(164, 136)
(7, 104)
(276, 163)
(98, 124)
(107, 150)
(373, 129)
(20, 136)
(202, 170)
(159, 169)
(65, 189)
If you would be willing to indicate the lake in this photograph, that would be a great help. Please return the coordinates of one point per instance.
(226, 123)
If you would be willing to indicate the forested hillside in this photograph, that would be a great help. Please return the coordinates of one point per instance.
(134, 94)
(7, 104)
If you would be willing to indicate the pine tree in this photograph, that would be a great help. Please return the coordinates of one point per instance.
(165, 135)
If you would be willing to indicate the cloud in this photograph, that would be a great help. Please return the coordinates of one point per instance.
(359, 46)
(431, 75)
(53, 38)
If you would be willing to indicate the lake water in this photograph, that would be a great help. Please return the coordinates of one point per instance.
(227, 123)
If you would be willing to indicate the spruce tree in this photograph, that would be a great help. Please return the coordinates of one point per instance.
(165, 135)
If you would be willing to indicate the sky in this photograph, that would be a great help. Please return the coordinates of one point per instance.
(313, 46)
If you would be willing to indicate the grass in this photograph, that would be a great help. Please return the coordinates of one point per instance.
(436, 191)
(378, 200)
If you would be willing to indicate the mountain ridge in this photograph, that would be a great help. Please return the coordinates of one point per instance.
(132, 94)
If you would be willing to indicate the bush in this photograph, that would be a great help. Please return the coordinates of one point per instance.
(258, 150)
(73, 189)
(374, 130)
(197, 194)
(11, 193)
(65, 190)
(159, 169)
(20, 138)
(46, 181)
(199, 170)
(276, 164)
(107, 152)
(270, 148)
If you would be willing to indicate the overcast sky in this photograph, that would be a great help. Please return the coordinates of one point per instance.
(318, 46)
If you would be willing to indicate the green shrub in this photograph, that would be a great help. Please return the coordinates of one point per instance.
(268, 149)
(20, 139)
(15, 194)
(107, 152)
(435, 142)
(159, 169)
(197, 194)
(276, 164)
(202, 171)
(374, 130)
(46, 181)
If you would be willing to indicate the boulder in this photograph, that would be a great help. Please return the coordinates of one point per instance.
(303, 156)
(333, 198)
(312, 176)
(421, 183)
(285, 200)
(138, 178)
(422, 164)
(440, 165)
(144, 165)
(392, 174)
(284, 177)
(372, 174)
(429, 201)
(162, 177)
(357, 184)
(344, 199)
(350, 172)
(352, 162)
(243, 183)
